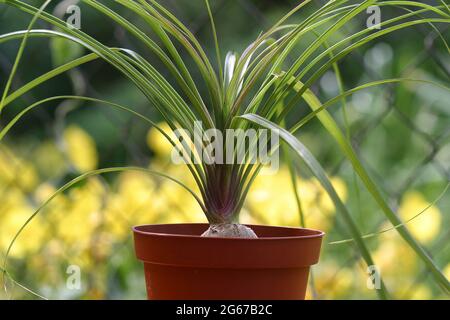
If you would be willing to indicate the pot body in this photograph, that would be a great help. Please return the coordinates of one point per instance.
(179, 264)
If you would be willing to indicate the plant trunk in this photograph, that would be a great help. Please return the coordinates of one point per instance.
(229, 230)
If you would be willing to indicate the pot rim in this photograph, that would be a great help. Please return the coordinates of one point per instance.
(180, 244)
(316, 233)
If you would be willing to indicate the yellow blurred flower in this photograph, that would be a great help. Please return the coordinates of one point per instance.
(447, 271)
(134, 202)
(331, 281)
(426, 226)
(246, 218)
(271, 199)
(162, 146)
(45, 191)
(397, 263)
(16, 171)
(182, 202)
(158, 142)
(77, 224)
(14, 212)
(325, 201)
(49, 160)
(393, 254)
(420, 292)
(80, 148)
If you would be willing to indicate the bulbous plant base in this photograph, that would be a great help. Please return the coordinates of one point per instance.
(229, 230)
(181, 264)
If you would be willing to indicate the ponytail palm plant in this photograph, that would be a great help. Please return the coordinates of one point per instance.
(257, 88)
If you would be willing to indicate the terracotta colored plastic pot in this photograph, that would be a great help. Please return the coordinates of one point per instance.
(179, 264)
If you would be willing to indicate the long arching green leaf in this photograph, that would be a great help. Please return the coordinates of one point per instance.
(421, 212)
(332, 128)
(197, 174)
(79, 179)
(347, 93)
(32, 292)
(20, 52)
(321, 176)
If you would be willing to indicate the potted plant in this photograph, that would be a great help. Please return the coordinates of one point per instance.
(249, 92)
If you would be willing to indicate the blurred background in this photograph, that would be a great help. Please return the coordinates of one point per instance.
(401, 133)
